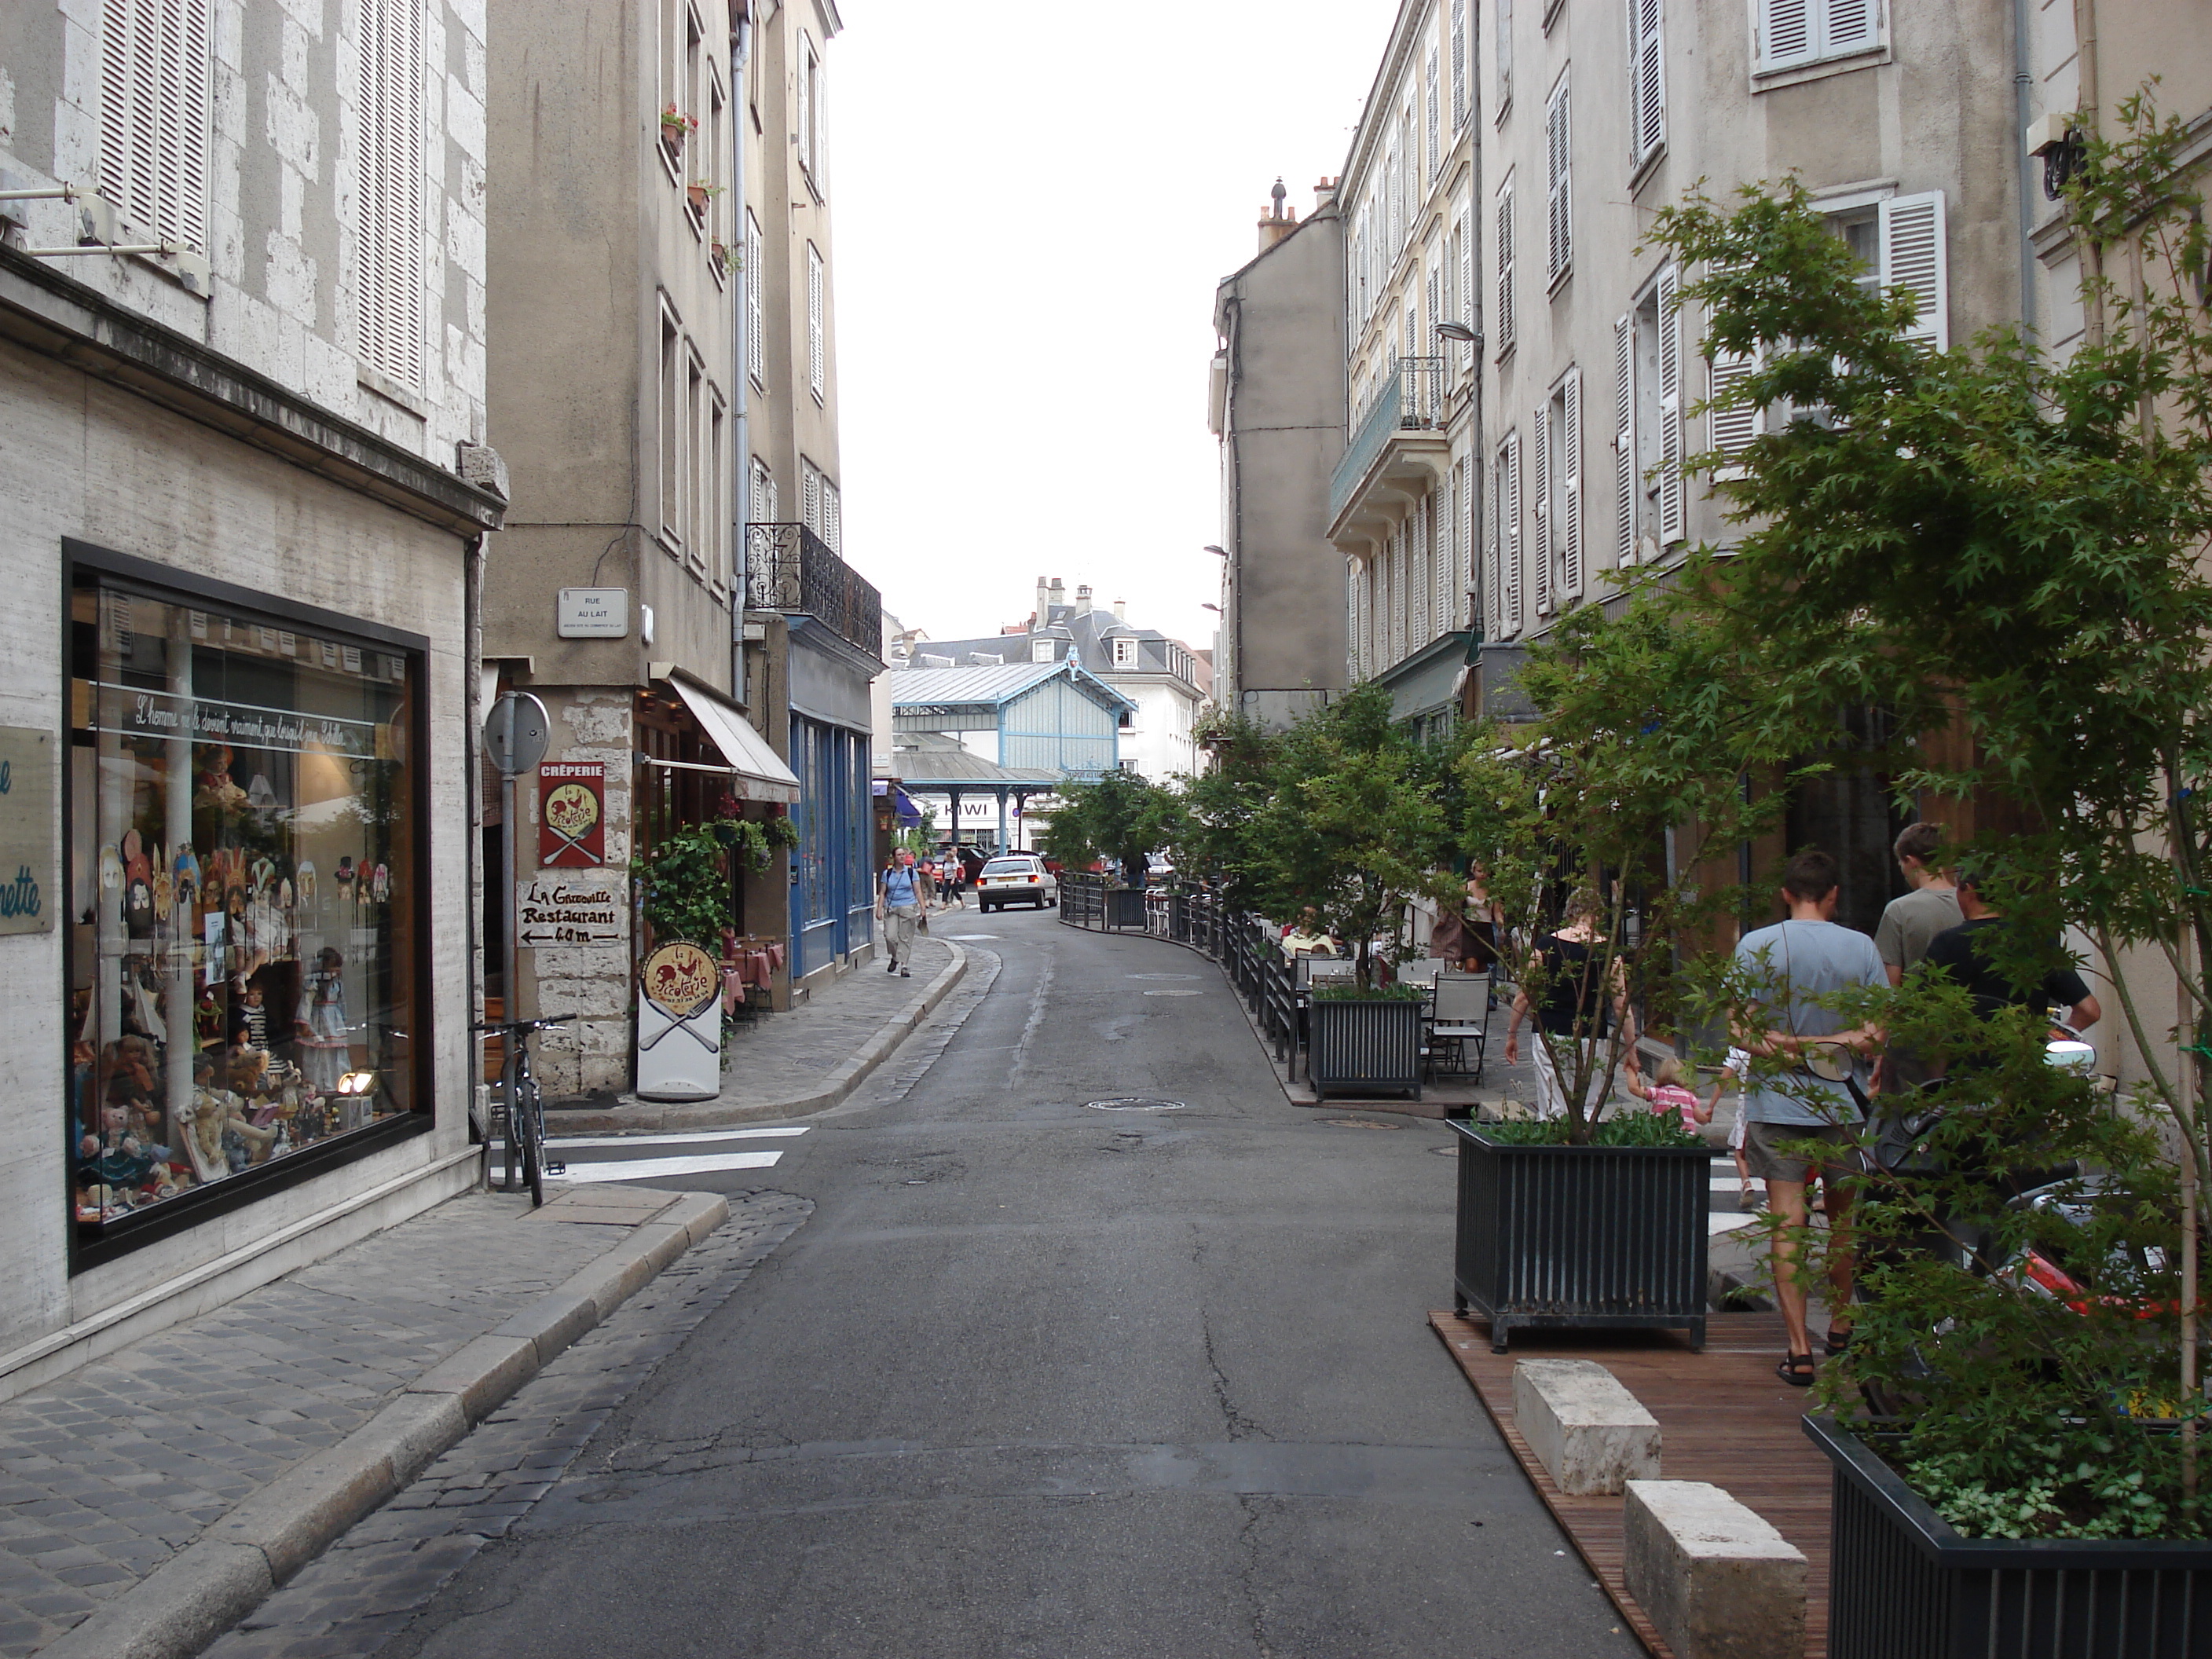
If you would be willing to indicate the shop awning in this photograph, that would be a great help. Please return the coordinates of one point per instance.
(757, 772)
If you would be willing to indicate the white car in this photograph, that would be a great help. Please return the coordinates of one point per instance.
(1018, 878)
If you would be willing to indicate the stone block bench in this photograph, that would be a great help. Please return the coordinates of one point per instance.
(1588, 1432)
(1715, 1578)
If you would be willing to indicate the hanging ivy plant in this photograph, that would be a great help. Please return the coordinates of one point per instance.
(687, 885)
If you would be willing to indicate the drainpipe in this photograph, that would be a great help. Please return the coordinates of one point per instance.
(2022, 86)
(2085, 106)
(472, 700)
(741, 40)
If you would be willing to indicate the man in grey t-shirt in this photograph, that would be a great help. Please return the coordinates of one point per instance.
(1909, 926)
(1788, 964)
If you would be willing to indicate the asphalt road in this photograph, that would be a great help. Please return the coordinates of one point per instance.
(1038, 1378)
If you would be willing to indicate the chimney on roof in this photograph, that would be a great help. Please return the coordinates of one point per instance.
(1120, 610)
(1044, 601)
(1083, 601)
(1056, 596)
(1324, 194)
(1278, 222)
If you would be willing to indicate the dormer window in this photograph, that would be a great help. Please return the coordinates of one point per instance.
(1042, 651)
(1125, 651)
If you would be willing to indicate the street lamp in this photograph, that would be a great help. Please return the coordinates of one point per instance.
(1460, 332)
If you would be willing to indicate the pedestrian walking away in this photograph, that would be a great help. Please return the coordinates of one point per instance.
(1790, 965)
(1909, 926)
(902, 900)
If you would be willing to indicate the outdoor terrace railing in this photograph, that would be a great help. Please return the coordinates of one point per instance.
(1245, 947)
(790, 568)
(1409, 398)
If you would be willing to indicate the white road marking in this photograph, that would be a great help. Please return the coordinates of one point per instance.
(1716, 1222)
(698, 1139)
(657, 1169)
(1175, 993)
(964, 937)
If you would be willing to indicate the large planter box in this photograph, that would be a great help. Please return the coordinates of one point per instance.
(1357, 1046)
(1903, 1584)
(1124, 907)
(1581, 1236)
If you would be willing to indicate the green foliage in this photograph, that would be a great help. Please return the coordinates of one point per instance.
(1339, 992)
(687, 884)
(1122, 816)
(1627, 1128)
(1343, 811)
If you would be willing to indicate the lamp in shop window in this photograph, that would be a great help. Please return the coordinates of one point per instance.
(357, 1083)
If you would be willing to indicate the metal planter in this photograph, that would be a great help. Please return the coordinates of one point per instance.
(1903, 1584)
(1124, 908)
(1581, 1236)
(1357, 1046)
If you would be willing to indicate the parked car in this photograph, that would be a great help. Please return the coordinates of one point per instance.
(1017, 878)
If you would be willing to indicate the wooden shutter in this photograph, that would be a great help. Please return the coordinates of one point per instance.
(1540, 538)
(1559, 197)
(1504, 320)
(1913, 258)
(756, 313)
(805, 112)
(156, 69)
(1647, 68)
(1470, 301)
(1501, 39)
(1733, 430)
(1569, 465)
(1848, 26)
(817, 348)
(388, 200)
(1671, 528)
(1789, 32)
(1623, 440)
(1513, 612)
(1458, 64)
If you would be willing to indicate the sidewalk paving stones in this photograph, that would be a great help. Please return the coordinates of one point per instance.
(107, 1473)
(804, 1060)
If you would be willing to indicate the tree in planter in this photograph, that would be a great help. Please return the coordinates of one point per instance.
(1627, 785)
(1992, 542)
(1343, 811)
(1124, 816)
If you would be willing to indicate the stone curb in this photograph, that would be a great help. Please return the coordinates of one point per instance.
(206, 1587)
(646, 1115)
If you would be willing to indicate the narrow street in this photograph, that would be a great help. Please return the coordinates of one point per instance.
(1033, 1378)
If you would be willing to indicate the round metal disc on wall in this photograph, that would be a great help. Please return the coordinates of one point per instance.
(517, 733)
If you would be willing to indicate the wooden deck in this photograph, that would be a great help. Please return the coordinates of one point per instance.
(1723, 1416)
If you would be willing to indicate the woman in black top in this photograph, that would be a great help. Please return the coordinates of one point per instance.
(1568, 968)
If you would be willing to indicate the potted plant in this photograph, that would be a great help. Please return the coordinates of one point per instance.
(697, 194)
(718, 252)
(675, 128)
(2019, 582)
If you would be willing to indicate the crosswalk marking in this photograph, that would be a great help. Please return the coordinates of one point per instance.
(702, 1138)
(660, 1169)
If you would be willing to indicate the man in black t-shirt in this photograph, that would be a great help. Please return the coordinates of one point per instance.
(1962, 953)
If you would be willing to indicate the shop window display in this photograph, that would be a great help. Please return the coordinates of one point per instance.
(243, 867)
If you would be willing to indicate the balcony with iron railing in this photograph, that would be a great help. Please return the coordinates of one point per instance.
(1398, 440)
(791, 569)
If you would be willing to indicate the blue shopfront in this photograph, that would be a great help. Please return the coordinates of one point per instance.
(832, 895)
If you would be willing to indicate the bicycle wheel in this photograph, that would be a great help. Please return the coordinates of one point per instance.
(530, 1124)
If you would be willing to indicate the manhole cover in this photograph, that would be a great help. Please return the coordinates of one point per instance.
(1358, 1123)
(1135, 1103)
(1162, 977)
(1175, 993)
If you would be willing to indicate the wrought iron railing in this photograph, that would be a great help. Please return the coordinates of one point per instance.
(1409, 398)
(790, 568)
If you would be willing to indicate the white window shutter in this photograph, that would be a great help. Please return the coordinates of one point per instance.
(1432, 157)
(1470, 302)
(1789, 32)
(1458, 64)
(1518, 616)
(388, 196)
(1558, 195)
(1913, 258)
(1672, 526)
(1848, 26)
(1569, 463)
(156, 69)
(756, 315)
(817, 347)
(1647, 67)
(1504, 318)
(1540, 536)
(1733, 430)
(1623, 440)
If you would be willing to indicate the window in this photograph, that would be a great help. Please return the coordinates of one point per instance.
(696, 467)
(1795, 31)
(1504, 319)
(1502, 43)
(674, 371)
(709, 169)
(756, 315)
(1506, 535)
(833, 518)
(1647, 81)
(388, 192)
(242, 849)
(1624, 442)
(1655, 331)
(762, 508)
(154, 76)
(817, 366)
(1125, 651)
(810, 495)
(1558, 190)
(1459, 63)
(714, 528)
(1043, 651)
(1913, 256)
(810, 113)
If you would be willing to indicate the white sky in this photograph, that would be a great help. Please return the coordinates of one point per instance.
(1030, 218)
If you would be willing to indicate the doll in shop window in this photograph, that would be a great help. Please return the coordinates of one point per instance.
(324, 1042)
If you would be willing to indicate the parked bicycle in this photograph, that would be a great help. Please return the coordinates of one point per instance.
(521, 1117)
